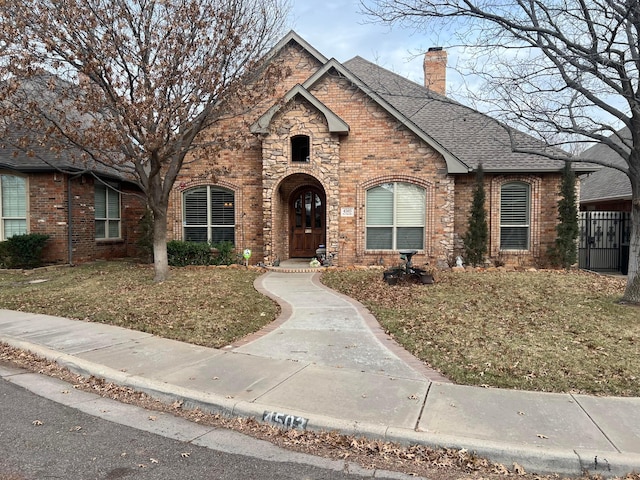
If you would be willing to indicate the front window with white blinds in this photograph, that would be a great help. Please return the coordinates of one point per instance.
(13, 206)
(107, 212)
(395, 214)
(209, 215)
(515, 209)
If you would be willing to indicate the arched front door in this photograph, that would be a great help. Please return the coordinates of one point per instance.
(307, 218)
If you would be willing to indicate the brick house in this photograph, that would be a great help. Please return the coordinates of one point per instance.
(605, 216)
(607, 189)
(366, 162)
(88, 215)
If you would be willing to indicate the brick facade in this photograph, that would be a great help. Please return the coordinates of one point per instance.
(48, 213)
(378, 148)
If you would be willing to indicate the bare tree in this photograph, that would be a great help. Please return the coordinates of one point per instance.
(136, 85)
(567, 69)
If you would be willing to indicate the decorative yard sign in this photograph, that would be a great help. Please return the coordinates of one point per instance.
(287, 421)
(247, 255)
(347, 212)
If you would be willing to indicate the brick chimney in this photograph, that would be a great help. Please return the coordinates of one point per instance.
(435, 70)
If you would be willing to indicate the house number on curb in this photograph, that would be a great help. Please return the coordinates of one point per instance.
(288, 421)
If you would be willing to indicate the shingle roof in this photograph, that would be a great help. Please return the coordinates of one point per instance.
(607, 183)
(21, 151)
(469, 135)
(42, 159)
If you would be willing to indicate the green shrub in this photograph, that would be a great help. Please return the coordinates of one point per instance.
(181, 254)
(225, 254)
(4, 255)
(23, 251)
(477, 237)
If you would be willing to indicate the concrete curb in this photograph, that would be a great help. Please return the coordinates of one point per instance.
(541, 460)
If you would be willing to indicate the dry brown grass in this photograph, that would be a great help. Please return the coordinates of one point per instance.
(210, 306)
(547, 330)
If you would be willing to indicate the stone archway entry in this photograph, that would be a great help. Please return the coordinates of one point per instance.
(307, 221)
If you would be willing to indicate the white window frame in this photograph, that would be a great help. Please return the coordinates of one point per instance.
(505, 224)
(210, 226)
(5, 218)
(396, 224)
(110, 216)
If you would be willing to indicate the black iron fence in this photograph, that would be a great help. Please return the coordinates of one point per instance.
(604, 241)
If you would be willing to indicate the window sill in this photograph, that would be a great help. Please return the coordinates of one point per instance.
(109, 241)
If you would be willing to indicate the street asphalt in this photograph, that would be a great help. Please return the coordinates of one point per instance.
(326, 364)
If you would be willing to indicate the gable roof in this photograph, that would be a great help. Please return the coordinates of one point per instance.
(335, 123)
(607, 184)
(454, 164)
(463, 136)
(294, 37)
(469, 136)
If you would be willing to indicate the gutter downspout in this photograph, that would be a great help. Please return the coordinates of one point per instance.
(70, 217)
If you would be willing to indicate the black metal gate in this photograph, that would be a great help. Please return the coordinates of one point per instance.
(604, 241)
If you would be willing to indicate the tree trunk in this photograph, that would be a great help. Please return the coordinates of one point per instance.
(632, 292)
(160, 259)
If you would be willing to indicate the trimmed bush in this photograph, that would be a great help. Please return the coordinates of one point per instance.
(181, 254)
(224, 253)
(23, 251)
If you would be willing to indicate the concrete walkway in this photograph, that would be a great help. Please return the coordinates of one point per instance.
(326, 364)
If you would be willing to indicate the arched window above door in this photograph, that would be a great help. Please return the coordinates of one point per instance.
(300, 148)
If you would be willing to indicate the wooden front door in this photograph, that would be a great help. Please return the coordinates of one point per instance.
(307, 217)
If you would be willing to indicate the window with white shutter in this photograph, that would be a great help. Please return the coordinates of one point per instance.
(395, 217)
(515, 216)
(209, 215)
(13, 206)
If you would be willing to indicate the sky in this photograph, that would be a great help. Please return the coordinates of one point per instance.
(337, 30)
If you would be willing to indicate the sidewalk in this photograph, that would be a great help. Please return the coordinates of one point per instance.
(326, 364)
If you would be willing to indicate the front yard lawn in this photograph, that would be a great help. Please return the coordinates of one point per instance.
(210, 306)
(546, 330)
(549, 331)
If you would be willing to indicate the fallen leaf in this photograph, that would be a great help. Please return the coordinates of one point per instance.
(77, 428)
(518, 469)
(500, 469)
(37, 423)
(541, 436)
(185, 454)
(153, 418)
(153, 460)
(413, 396)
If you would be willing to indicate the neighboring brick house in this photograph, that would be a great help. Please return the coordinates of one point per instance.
(605, 217)
(366, 162)
(88, 215)
(607, 189)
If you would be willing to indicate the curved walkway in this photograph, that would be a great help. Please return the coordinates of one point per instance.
(326, 364)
